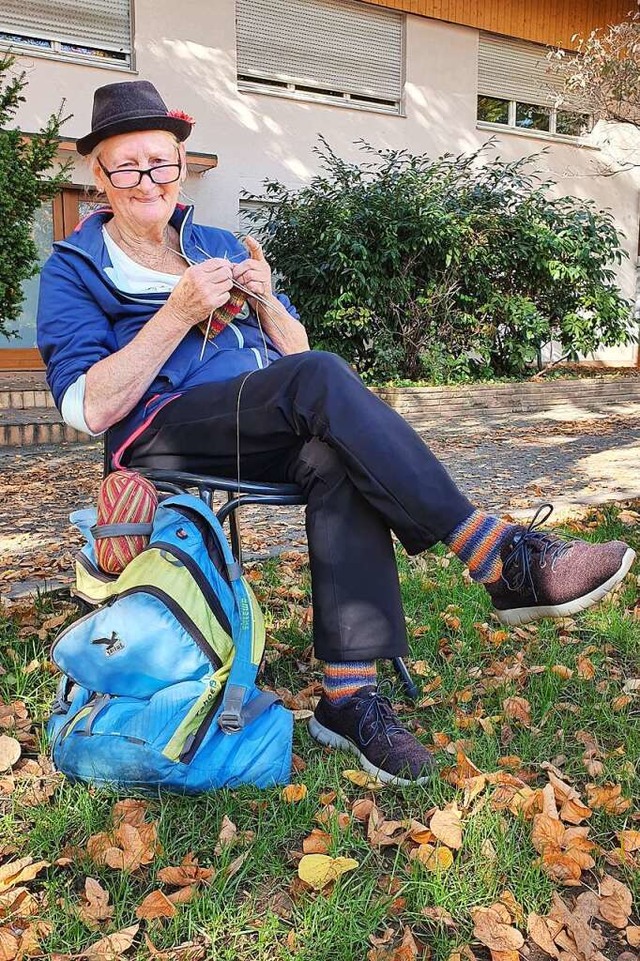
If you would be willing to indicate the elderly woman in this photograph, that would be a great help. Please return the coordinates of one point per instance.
(123, 304)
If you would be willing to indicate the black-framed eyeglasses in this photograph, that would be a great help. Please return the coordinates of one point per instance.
(160, 174)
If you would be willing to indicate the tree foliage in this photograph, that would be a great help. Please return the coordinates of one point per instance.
(445, 269)
(604, 73)
(26, 180)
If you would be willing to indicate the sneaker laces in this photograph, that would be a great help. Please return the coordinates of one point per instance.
(379, 715)
(547, 548)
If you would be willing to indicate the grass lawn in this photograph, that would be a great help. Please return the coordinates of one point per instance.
(529, 726)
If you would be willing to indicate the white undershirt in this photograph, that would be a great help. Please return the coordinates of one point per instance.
(130, 278)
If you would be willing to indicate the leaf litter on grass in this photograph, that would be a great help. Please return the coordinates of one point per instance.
(522, 748)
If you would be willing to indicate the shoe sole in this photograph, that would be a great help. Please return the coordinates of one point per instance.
(329, 738)
(524, 615)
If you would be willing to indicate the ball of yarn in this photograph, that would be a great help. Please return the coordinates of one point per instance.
(125, 497)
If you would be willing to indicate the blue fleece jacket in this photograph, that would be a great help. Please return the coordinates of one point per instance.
(83, 317)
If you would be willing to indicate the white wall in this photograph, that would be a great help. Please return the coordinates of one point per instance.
(188, 51)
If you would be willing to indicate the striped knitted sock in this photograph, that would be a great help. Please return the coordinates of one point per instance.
(340, 681)
(477, 542)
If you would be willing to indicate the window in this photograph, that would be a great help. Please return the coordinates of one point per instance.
(514, 89)
(252, 216)
(77, 29)
(336, 51)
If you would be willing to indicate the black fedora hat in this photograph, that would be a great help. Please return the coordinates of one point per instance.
(133, 105)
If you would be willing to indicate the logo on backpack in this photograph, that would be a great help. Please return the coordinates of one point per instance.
(112, 644)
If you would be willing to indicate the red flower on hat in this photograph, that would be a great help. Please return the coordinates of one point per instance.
(181, 115)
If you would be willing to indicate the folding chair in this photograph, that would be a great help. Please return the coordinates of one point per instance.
(238, 494)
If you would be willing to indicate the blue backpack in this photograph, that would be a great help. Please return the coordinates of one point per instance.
(158, 686)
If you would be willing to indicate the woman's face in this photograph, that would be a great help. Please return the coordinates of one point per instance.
(148, 205)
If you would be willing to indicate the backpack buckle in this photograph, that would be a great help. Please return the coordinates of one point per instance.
(230, 720)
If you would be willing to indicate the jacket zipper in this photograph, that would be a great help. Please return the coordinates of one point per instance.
(203, 584)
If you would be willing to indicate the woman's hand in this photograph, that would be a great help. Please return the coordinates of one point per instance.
(202, 288)
(288, 334)
(254, 273)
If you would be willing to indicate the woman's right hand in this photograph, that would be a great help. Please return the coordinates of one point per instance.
(201, 289)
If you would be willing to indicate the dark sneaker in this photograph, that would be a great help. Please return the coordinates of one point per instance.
(544, 575)
(367, 726)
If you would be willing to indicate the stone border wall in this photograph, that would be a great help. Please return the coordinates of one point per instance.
(571, 399)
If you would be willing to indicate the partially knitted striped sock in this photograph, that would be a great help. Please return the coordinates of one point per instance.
(477, 542)
(340, 681)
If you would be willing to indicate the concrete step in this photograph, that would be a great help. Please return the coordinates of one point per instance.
(36, 425)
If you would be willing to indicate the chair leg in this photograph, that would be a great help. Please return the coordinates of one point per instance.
(234, 532)
(408, 683)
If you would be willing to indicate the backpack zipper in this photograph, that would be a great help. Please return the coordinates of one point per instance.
(94, 570)
(194, 741)
(180, 615)
(203, 584)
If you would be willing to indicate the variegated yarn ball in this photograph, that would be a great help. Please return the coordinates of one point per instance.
(125, 497)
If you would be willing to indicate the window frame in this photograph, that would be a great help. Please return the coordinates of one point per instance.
(302, 91)
(551, 134)
(31, 48)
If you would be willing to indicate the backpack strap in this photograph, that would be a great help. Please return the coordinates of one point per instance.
(235, 712)
(119, 530)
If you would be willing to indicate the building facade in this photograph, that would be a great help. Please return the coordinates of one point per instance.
(264, 77)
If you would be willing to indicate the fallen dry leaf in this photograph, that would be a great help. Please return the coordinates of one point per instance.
(130, 811)
(293, 793)
(362, 779)
(95, 907)
(562, 671)
(492, 927)
(318, 842)
(629, 840)
(113, 946)
(187, 873)
(17, 872)
(546, 831)
(540, 933)
(227, 835)
(433, 858)
(156, 905)
(518, 709)
(439, 916)
(319, 870)
(632, 934)
(607, 797)
(9, 945)
(362, 808)
(574, 811)
(10, 751)
(615, 902)
(585, 667)
(447, 826)
(234, 866)
(187, 951)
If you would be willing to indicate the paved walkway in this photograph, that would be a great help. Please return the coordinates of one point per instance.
(503, 468)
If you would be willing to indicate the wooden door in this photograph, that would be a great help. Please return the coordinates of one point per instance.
(56, 220)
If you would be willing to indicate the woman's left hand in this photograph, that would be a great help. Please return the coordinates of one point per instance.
(254, 273)
(287, 333)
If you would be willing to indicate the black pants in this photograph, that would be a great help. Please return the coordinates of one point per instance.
(308, 419)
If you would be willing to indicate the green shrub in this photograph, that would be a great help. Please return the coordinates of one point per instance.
(446, 269)
(26, 180)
